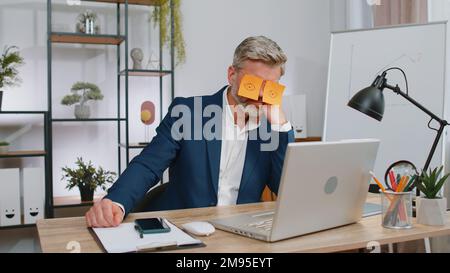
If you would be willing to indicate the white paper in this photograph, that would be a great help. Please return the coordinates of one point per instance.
(125, 238)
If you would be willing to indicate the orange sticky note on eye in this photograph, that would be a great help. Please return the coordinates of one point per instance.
(273, 92)
(250, 86)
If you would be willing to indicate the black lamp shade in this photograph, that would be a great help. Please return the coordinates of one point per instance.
(369, 101)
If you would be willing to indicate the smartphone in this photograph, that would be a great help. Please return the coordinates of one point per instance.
(151, 225)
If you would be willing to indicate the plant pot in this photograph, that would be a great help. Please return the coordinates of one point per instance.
(82, 111)
(431, 211)
(86, 193)
(4, 149)
(1, 99)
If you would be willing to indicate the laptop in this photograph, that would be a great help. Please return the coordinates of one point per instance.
(323, 185)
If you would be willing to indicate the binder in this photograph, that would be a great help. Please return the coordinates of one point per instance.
(10, 214)
(33, 194)
(124, 238)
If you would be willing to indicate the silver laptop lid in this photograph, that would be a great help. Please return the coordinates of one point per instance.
(323, 185)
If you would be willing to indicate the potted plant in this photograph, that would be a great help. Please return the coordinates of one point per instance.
(161, 16)
(87, 178)
(87, 22)
(432, 207)
(4, 147)
(82, 93)
(10, 60)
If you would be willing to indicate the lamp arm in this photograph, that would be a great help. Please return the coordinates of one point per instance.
(397, 90)
(442, 124)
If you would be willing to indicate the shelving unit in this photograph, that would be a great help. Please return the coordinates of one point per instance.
(35, 153)
(11, 154)
(146, 73)
(75, 38)
(118, 39)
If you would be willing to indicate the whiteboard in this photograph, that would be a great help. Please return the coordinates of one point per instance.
(356, 57)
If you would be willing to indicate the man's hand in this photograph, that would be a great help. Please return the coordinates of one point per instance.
(104, 214)
(274, 114)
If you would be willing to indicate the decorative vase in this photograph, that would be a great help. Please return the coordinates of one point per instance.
(1, 99)
(82, 111)
(431, 212)
(4, 149)
(86, 193)
(137, 56)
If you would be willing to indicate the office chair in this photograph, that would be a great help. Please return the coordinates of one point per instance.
(149, 197)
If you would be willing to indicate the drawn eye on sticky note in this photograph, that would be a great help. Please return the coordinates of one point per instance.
(250, 86)
(273, 92)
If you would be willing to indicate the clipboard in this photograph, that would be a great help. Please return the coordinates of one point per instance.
(124, 239)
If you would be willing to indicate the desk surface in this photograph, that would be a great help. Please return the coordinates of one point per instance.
(55, 234)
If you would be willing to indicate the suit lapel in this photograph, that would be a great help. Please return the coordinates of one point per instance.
(214, 146)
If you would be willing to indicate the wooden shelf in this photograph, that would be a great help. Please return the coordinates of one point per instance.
(22, 112)
(146, 73)
(130, 2)
(73, 201)
(133, 145)
(22, 154)
(308, 139)
(80, 38)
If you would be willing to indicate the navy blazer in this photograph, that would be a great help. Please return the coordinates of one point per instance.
(194, 166)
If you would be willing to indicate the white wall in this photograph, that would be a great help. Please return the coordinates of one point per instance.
(439, 10)
(212, 30)
(351, 14)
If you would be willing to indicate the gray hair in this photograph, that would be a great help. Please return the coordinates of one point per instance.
(259, 48)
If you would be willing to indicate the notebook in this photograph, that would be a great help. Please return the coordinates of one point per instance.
(124, 238)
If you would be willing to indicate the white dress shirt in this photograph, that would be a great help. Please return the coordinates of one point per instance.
(232, 155)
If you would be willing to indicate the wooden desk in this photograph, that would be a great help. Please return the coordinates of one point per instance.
(55, 234)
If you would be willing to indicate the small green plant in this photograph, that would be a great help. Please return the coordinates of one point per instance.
(430, 183)
(83, 17)
(82, 92)
(86, 176)
(10, 60)
(161, 16)
(4, 143)
(88, 14)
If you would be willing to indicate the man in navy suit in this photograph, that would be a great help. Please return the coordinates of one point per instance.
(221, 149)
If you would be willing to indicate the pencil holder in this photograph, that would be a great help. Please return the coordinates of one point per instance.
(396, 211)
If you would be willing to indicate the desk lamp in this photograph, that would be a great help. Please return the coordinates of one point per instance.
(370, 101)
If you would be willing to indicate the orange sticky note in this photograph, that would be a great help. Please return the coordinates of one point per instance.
(273, 92)
(250, 86)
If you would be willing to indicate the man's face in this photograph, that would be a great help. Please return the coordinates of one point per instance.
(256, 68)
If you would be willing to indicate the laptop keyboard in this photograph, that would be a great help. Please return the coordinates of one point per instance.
(265, 225)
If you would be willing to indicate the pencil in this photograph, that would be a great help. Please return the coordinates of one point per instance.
(401, 184)
(377, 181)
(410, 183)
(405, 181)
